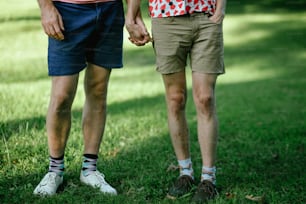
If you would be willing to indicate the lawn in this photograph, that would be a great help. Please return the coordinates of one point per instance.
(261, 108)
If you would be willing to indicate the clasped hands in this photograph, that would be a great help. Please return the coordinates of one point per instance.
(138, 31)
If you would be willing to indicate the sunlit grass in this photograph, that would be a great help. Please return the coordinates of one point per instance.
(16, 8)
(245, 74)
(23, 100)
(237, 28)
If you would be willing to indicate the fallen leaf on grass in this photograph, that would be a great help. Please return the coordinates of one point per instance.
(114, 152)
(172, 167)
(259, 199)
(230, 195)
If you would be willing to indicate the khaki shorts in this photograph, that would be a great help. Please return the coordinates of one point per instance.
(194, 35)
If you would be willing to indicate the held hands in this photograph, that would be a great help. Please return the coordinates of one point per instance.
(138, 31)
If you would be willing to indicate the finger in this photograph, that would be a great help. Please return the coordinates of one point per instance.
(131, 40)
(139, 44)
(144, 29)
(136, 42)
(60, 22)
(217, 18)
(214, 19)
(58, 32)
(142, 42)
(47, 30)
(148, 38)
(52, 33)
(142, 26)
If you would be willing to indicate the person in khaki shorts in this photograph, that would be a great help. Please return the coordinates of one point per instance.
(193, 29)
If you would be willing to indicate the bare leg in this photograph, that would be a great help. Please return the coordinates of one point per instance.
(59, 113)
(176, 97)
(204, 98)
(94, 112)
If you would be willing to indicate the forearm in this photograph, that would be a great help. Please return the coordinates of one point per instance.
(221, 5)
(133, 9)
(44, 4)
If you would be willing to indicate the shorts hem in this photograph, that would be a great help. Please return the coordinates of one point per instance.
(176, 71)
(108, 66)
(66, 73)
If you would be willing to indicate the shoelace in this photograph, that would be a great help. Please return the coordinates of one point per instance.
(49, 179)
(101, 177)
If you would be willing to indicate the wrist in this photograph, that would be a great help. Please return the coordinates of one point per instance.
(220, 12)
(45, 4)
(129, 23)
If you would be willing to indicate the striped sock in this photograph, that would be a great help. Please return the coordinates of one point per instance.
(209, 174)
(56, 165)
(89, 164)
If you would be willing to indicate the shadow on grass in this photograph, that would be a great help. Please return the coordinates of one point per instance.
(7, 129)
(20, 18)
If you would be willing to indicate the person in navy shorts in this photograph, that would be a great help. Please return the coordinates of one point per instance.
(83, 34)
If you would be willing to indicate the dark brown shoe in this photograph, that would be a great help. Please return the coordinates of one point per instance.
(205, 191)
(182, 186)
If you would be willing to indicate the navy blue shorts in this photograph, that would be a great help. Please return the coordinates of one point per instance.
(93, 34)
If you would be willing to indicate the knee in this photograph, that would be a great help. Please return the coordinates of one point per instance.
(97, 91)
(96, 96)
(177, 102)
(61, 102)
(205, 104)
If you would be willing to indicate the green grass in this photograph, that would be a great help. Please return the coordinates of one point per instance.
(261, 108)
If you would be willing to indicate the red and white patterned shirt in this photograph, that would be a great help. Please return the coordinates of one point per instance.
(166, 8)
(83, 1)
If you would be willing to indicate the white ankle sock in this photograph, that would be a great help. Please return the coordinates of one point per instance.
(186, 167)
(209, 173)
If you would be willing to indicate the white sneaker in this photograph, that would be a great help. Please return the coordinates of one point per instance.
(48, 185)
(96, 180)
